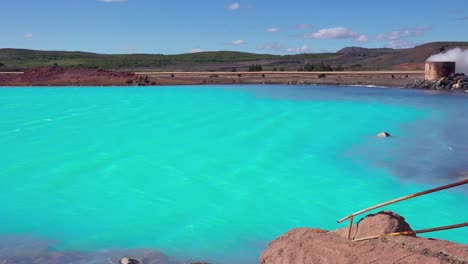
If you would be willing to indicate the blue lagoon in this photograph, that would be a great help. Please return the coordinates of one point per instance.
(213, 173)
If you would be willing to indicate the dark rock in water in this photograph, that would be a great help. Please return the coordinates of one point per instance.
(442, 84)
(129, 261)
(453, 82)
(383, 134)
(456, 86)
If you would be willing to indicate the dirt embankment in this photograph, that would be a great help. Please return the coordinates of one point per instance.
(306, 245)
(61, 76)
(377, 78)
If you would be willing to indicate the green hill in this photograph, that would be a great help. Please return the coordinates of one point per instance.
(352, 58)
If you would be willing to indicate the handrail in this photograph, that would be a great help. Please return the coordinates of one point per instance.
(414, 232)
(351, 216)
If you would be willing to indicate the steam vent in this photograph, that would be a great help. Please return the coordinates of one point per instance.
(439, 69)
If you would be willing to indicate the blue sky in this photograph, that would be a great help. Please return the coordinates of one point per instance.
(260, 26)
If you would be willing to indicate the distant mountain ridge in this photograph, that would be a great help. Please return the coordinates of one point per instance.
(351, 58)
(360, 50)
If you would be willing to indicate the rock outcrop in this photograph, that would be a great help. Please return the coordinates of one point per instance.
(70, 76)
(383, 135)
(129, 261)
(454, 82)
(383, 222)
(309, 245)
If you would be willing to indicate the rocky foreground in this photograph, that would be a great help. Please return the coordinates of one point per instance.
(309, 245)
(76, 76)
(455, 82)
(65, 76)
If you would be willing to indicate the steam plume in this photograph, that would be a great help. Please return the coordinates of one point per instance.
(457, 55)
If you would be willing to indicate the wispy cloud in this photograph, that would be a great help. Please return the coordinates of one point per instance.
(331, 33)
(404, 33)
(362, 39)
(28, 36)
(398, 39)
(302, 26)
(194, 50)
(336, 33)
(302, 49)
(400, 44)
(113, 1)
(270, 46)
(464, 18)
(237, 42)
(272, 30)
(234, 6)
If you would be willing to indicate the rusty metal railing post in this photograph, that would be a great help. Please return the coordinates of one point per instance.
(351, 216)
(350, 227)
(414, 232)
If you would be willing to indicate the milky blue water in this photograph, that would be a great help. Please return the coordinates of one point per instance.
(214, 173)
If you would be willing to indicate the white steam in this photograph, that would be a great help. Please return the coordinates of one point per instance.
(457, 55)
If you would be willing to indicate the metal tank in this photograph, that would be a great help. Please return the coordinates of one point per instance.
(438, 69)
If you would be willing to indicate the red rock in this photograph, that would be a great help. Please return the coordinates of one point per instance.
(306, 245)
(383, 222)
(57, 75)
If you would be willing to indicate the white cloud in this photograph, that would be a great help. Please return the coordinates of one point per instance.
(237, 42)
(272, 30)
(400, 44)
(270, 46)
(404, 33)
(332, 33)
(195, 50)
(234, 6)
(362, 39)
(398, 39)
(113, 1)
(303, 49)
(28, 35)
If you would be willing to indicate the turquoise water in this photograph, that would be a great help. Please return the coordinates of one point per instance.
(214, 173)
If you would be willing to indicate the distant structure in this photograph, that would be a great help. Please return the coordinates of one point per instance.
(438, 69)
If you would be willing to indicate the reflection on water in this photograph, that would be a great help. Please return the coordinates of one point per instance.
(28, 250)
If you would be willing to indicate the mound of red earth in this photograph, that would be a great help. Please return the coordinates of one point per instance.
(454, 82)
(57, 76)
(309, 245)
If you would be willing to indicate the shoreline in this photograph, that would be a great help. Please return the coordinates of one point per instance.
(435, 92)
(61, 76)
(57, 76)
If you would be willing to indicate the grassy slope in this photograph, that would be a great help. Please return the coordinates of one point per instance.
(350, 58)
(24, 59)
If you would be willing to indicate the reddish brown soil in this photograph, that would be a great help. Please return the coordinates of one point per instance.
(408, 66)
(60, 76)
(306, 245)
(377, 78)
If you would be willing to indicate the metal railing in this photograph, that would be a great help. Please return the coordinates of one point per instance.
(351, 216)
